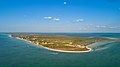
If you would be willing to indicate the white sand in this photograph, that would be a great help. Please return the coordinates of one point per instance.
(56, 49)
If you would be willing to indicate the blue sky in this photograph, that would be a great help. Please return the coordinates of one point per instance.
(60, 16)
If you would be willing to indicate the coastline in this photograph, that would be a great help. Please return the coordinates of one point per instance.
(89, 49)
(67, 51)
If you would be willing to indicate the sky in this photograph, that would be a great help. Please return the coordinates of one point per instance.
(60, 16)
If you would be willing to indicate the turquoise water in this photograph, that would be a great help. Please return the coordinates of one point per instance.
(18, 53)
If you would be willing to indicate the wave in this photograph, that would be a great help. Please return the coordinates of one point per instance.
(102, 48)
(54, 53)
(111, 38)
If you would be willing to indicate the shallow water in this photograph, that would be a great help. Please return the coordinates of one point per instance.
(18, 53)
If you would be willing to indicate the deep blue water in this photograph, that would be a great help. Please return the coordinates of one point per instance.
(18, 53)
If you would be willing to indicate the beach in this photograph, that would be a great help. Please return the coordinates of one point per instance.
(89, 49)
(16, 52)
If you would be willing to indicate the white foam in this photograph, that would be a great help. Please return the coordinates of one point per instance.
(54, 53)
(103, 48)
(110, 38)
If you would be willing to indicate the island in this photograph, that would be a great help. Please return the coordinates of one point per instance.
(61, 43)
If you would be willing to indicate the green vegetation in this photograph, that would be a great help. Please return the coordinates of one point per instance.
(61, 42)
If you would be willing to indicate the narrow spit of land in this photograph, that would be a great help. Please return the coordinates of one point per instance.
(61, 43)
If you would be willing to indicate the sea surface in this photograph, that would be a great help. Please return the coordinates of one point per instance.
(19, 53)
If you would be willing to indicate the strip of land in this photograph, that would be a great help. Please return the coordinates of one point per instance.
(60, 43)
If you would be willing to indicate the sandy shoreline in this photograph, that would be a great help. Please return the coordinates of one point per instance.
(55, 49)
(67, 51)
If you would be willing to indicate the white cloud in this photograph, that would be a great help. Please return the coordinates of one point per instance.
(107, 28)
(48, 17)
(65, 3)
(56, 19)
(112, 27)
(101, 26)
(79, 20)
(52, 18)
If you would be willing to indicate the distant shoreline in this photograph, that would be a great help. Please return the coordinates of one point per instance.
(89, 49)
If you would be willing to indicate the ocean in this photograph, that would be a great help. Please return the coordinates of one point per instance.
(19, 53)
